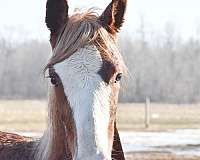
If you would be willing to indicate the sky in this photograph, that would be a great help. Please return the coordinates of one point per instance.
(25, 18)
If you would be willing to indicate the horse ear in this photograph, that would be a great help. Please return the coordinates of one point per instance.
(56, 14)
(113, 17)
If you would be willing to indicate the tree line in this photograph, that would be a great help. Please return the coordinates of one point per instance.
(164, 69)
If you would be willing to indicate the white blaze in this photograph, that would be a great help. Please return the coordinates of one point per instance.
(89, 98)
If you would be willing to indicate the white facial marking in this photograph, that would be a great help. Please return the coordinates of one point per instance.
(89, 98)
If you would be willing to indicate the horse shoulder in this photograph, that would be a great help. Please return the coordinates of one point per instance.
(16, 147)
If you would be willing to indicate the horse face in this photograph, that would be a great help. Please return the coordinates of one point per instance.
(90, 97)
(90, 77)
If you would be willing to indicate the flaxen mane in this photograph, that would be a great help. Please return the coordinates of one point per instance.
(84, 29)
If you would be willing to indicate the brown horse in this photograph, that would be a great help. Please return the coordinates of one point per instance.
(85, 71)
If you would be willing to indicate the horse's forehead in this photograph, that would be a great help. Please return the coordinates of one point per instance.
(88, 57)
(86, 62)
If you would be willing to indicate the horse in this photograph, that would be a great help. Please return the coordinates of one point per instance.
(85, 72)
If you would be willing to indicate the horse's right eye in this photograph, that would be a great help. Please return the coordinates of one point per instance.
(53, 76)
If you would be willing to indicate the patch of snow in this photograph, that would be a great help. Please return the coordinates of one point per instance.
(162, 141)
(155, 141)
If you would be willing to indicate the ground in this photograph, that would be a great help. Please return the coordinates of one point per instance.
(30, 116)
(158, 156)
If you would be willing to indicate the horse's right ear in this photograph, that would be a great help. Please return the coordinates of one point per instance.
(56, 15)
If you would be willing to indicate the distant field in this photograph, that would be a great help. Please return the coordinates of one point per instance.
(20, 116)
(162, 116)
(31, 116)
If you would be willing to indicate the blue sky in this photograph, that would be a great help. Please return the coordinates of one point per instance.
(26, 17)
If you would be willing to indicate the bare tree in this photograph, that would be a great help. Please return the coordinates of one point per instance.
(165, 71)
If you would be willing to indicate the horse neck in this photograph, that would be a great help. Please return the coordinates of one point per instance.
(57, 142)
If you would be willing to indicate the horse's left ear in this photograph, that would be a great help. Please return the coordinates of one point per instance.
(113, 17)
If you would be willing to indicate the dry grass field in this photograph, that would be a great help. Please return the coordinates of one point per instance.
(22, 116)
(31, 116)
(162, 116)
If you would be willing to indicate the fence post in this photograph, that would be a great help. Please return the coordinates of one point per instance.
(147, 113)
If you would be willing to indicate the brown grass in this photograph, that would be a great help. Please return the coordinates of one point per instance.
(162, 116)
(21, 116)
(31, 116)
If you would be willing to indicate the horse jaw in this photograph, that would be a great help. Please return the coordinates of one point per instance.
(89, 98)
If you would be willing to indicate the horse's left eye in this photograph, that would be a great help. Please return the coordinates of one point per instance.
(118, 77)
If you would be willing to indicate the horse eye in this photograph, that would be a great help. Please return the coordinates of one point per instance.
(118, 77)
